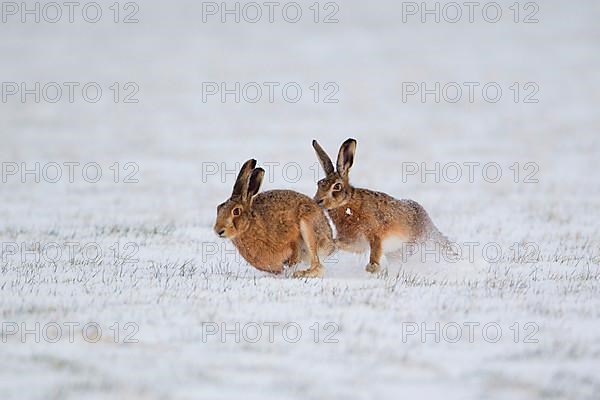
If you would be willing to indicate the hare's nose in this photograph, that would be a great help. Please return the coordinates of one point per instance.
(219, 231)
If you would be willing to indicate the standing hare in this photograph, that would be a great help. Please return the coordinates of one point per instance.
(367, 219)
(274, 228)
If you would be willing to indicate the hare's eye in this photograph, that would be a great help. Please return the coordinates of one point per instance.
(337, 187)
(237, 211)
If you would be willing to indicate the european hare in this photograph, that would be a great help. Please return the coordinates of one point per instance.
(274, 228)
(365, 219)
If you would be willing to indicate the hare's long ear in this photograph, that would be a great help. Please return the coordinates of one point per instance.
(240, 188)
(346, 157)
(254, 183)
(323, 158)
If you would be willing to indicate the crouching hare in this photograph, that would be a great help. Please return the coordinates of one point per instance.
(274, 228)
(365, 219)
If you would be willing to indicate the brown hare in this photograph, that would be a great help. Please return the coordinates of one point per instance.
(274, 228)
(365, 219)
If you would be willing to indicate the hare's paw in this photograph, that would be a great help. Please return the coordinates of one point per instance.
(313, 272)
(373, 268)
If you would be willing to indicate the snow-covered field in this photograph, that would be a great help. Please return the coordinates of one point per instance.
(120, 289)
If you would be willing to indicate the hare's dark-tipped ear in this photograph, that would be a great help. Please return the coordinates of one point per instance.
(240, 188)
(346, 157)
(323, 158)
(255, 181)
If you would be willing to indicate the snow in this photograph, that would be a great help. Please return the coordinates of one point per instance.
(165, 273)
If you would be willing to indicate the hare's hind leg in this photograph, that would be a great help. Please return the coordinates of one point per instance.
(375, 256)
(316, 270)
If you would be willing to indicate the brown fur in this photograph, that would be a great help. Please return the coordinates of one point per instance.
(274, 228)
(363, 216)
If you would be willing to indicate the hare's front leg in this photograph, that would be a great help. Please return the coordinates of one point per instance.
(316, 270)
(375, 255)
